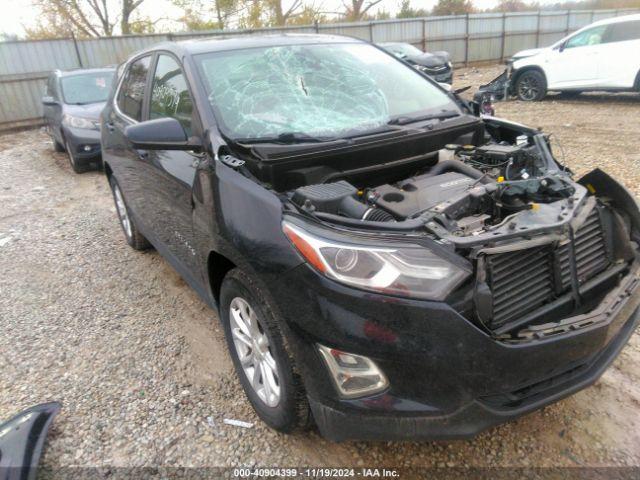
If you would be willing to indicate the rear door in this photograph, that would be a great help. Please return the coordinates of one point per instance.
(620, 59)
(575, 64)
(169, 174)
(127, 109)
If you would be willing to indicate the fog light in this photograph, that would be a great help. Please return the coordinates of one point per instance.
(353, 375)
(87, 148)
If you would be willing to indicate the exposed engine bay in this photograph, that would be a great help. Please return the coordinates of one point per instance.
(541, 250)
(470, 191)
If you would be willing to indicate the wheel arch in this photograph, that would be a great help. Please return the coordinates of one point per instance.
(518, 73)
(636, 83)
(108, 171)
(218, 266)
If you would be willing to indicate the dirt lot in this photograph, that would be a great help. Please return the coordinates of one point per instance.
(139, 361)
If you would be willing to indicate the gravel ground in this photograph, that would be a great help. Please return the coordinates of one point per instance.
(140, 364)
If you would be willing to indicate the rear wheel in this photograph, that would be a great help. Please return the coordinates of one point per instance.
(258, 349)
(531, 86)
(133, 236)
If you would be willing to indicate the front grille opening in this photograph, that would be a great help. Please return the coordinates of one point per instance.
(541, 282)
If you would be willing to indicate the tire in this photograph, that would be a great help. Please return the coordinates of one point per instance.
(134, 238)
(531, 86)
(73, 161)
(279, 398)
(57, 146)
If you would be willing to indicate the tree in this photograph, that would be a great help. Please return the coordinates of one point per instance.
(280, 15)
(453, 7)
(85, 18)
(208, 14)
(407, 11)
(513, 6)
(357, 9)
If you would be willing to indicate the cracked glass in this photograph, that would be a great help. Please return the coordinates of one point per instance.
(318, 90)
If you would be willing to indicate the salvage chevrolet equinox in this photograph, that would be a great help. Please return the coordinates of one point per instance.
(385, 261)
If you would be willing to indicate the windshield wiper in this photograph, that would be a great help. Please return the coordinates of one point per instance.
(405, 120)
(286, 138)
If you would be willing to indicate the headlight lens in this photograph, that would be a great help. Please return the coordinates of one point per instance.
(79, 122)
(404, 270)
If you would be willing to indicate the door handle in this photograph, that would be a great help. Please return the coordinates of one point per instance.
(143, 154)
(110, 126)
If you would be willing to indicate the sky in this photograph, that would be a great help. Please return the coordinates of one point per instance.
(16, 14)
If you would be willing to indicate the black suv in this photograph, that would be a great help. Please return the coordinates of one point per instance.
(72, 104)
(384, 260)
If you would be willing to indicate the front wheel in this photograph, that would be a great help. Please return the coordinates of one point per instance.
(263, 364)
(76, 166)
(531, 86)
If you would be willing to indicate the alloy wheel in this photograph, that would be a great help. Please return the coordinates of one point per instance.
(528, 87)
(122, 211)
(254, 351)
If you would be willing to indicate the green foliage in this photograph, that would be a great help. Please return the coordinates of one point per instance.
(453, 7)
(407, 11)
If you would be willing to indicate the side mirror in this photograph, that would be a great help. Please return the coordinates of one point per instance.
(561, 47)
(49, 101)
(161, 134)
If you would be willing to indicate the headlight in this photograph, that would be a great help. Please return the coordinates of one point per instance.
(79, 122)
(449, 64)
(404, 270)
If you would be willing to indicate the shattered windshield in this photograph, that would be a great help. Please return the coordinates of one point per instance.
(315, 90)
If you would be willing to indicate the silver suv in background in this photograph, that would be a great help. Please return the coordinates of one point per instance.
(72, 104)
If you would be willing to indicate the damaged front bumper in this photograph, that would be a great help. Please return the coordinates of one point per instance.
(447, 378)
(497, 89)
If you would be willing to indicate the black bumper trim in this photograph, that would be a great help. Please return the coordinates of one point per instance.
(338, 425)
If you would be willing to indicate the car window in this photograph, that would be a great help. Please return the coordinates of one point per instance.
(50, 89)
(170, 94)
(320, 90)
(591, 36)
(624, 31)
(86, 88)
(131, 94)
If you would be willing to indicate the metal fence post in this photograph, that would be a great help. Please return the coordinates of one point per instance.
(424, 34)
(466, 41)
(568, 20)
(538, 30)
(75, 46)
(316, 26)
(371, 32)
(504, 36)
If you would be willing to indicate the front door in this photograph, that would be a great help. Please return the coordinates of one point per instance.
(575, 64)
(169, 174)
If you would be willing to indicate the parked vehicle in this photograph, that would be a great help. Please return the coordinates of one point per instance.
(602, 56)
(72, 103)
(437, 65)
(379, 253)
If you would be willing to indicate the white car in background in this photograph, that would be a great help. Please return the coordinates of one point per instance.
(602, 56)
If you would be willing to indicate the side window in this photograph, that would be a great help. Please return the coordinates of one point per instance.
(592, 36)
(51, 86)
(170, 94)
(624, 31)
(131, 94)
